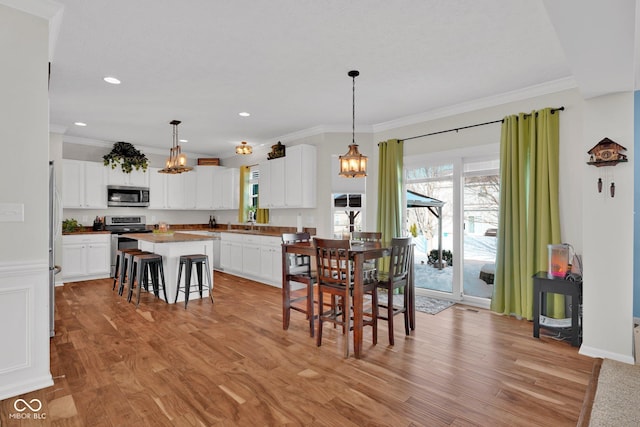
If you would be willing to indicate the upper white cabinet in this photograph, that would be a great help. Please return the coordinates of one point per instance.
(84, 184)
(226, 188)
(289, 182)
(172, 191)
(137, 178)
(204, 186)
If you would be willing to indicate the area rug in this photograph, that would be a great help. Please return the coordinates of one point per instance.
(425, 304)
(616, 397)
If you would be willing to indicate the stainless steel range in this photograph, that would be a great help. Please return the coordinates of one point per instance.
(120, 226)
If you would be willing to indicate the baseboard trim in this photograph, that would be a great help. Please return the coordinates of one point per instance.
(17, 389)
(590, 395)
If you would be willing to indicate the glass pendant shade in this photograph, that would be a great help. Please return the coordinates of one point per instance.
(177, 160)
(353, 164)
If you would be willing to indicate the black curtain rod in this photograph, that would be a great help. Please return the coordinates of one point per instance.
(553, 110)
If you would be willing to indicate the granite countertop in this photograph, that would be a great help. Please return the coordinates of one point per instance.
(85, 232)
(168, 237)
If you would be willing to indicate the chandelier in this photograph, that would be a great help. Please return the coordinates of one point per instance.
(177, 161)
(244, 148)
(353, 164)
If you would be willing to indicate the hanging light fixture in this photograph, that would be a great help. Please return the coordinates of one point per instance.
(177, 161)
(353, 164)
(244, 148)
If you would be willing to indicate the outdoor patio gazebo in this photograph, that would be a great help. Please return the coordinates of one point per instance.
(417, 200)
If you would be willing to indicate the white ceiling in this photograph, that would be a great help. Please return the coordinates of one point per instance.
(286, 62)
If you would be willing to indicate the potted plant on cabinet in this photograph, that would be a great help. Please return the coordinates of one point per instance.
(127, 156)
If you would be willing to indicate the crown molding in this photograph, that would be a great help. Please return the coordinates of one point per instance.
(322, 129)
(479, 104)
(109, 144)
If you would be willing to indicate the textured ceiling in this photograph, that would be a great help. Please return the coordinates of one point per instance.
(286, 62)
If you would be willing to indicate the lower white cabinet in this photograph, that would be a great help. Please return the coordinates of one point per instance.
(252, 256)
(86, 256)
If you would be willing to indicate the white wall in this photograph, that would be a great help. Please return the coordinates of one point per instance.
(608, 233)
(24, 180)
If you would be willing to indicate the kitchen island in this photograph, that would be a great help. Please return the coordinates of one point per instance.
(171, 246)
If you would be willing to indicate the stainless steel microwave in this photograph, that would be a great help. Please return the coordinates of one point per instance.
(118, 195)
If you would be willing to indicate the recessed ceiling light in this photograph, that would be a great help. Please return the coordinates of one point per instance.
(244, 114)
(80, 124)
(184, 140)
(112, 80)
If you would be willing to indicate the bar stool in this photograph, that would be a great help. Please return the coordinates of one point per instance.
(188, 261)
(120, 274)
(143, 265)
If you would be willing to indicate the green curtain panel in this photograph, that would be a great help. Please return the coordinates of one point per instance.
(243, 206)
(389, 217)
(529, 217)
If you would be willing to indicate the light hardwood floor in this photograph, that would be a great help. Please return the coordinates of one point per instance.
(230, 363)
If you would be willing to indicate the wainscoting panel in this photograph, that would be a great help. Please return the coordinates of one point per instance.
(24, 328)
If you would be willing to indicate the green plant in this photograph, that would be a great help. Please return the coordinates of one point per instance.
(126, 155)
(447, 256)
(70, 225)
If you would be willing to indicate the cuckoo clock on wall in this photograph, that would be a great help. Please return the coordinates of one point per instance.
(606, 153)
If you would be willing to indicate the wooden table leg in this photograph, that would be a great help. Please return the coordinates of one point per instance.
(286, 290)
(358, 302)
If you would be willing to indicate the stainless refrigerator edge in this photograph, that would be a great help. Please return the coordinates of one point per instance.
(55, 229)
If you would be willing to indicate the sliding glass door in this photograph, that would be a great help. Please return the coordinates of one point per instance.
(452, 214)
(431, 224)
(481, 199)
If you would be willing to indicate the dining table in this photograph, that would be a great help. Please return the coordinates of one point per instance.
(359, 253)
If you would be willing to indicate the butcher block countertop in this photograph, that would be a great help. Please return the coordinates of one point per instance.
(168, 237)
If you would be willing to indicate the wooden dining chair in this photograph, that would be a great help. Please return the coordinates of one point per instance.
(396, 278)
(299, 271)
(368, 237)
(335, 277)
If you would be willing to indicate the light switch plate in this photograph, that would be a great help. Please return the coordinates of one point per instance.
(11, 212)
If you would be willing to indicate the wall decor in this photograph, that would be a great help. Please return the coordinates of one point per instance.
(277, 151)
(607, 153)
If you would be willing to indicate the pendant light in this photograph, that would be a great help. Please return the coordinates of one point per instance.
(353, 164)
(177, 161)
(244, 148)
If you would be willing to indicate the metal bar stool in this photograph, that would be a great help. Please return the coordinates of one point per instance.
(188, 261)
(120, 273)
(142, 265)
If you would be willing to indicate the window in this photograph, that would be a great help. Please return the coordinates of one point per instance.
(348, 213)
(254, 178)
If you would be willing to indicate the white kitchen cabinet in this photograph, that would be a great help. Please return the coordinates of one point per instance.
(172, 191)
(272, 184)
(204, 187)
(84, 185)
(86, 256)
(137, 178)
(231, 252)
(252, 256)
(251, 245)
(290, 181)
(300, 177)
(189, 189)
(226, 188)
(271, 260)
